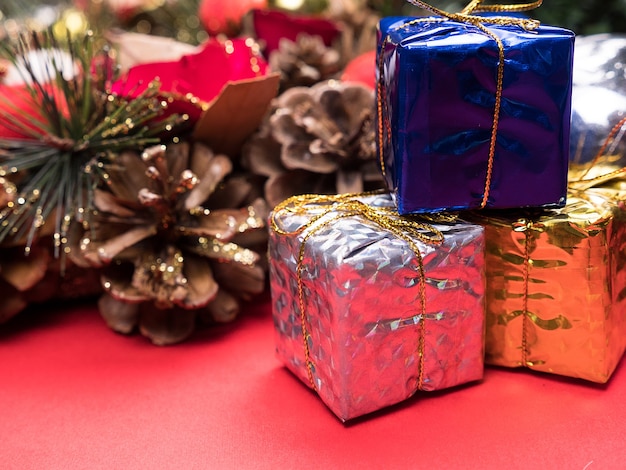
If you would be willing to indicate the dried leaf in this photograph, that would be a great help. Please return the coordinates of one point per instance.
(237, 112)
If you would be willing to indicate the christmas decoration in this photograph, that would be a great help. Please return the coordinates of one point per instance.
(304, 62)
(58, 116)
(473, 129)
(177, 19)
(272, 26)
(19, 278)
(79, 109)
(598, 95)
(555, 281)
(169, 243)
(370, 307)
(218, 16)
(135, 48)
(316, 140)
(194, 80)
(77, 119)
(362, 70)
(36, 277)
(358, 25)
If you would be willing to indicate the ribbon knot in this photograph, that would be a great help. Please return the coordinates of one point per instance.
(523, 225)
(349, 205)
(327, 210)
(475, 6)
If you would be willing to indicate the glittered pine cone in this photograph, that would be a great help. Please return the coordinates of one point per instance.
(171, 237)
(316, 140)
(32, 274)
(20, 278)
(18, 273)
(304, 62)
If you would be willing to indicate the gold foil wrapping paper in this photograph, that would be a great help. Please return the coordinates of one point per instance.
(556, 285)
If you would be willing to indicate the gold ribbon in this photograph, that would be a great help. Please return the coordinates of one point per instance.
(465, 16)
(528, 227)
(348, 205)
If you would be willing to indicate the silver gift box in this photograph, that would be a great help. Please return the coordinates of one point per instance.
(369, 343)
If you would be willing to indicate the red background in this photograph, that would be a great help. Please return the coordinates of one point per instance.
(74, 394)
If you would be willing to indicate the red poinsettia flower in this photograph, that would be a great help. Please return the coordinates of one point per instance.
(270, 26)
(194, 80)
(224, 17)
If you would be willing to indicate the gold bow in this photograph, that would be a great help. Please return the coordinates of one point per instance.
(466, 16)
(335, 207)
(475, 6)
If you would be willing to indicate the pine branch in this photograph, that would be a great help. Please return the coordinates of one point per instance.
(74, 119)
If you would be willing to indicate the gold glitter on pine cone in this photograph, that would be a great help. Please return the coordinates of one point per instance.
(172, 249)
(18, 273)
(8, 192)
(21, 278)
(305, 62)
(31, 274)
(317, 140)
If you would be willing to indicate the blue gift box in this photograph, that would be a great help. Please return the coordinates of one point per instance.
(438, 80)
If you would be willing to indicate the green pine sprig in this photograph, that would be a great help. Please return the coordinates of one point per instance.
(80, 120)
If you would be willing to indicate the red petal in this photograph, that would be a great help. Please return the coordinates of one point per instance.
(200, 75)
(272, 26)
(220, 16)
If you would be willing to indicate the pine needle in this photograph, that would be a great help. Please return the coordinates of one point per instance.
(79, 119)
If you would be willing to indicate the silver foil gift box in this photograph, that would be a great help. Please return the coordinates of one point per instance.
(370, 307)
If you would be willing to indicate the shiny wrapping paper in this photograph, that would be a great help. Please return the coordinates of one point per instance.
(556, 286)
(438, 99)
(362, 309)
(598, 95)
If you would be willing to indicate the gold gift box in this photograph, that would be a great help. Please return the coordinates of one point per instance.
(556, 282)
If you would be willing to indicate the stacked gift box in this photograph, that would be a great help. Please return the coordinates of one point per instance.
(485, 249)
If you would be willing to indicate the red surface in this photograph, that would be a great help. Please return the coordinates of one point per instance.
(73, 394)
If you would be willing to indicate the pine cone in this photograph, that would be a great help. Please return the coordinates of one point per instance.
(317, 140)
(170, 237)
(32, 274)
(20, 277)
(304, 62)
(18, 273)
(358, 24)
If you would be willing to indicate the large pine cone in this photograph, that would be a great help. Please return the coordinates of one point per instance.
(175, 241)
(317, 140)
